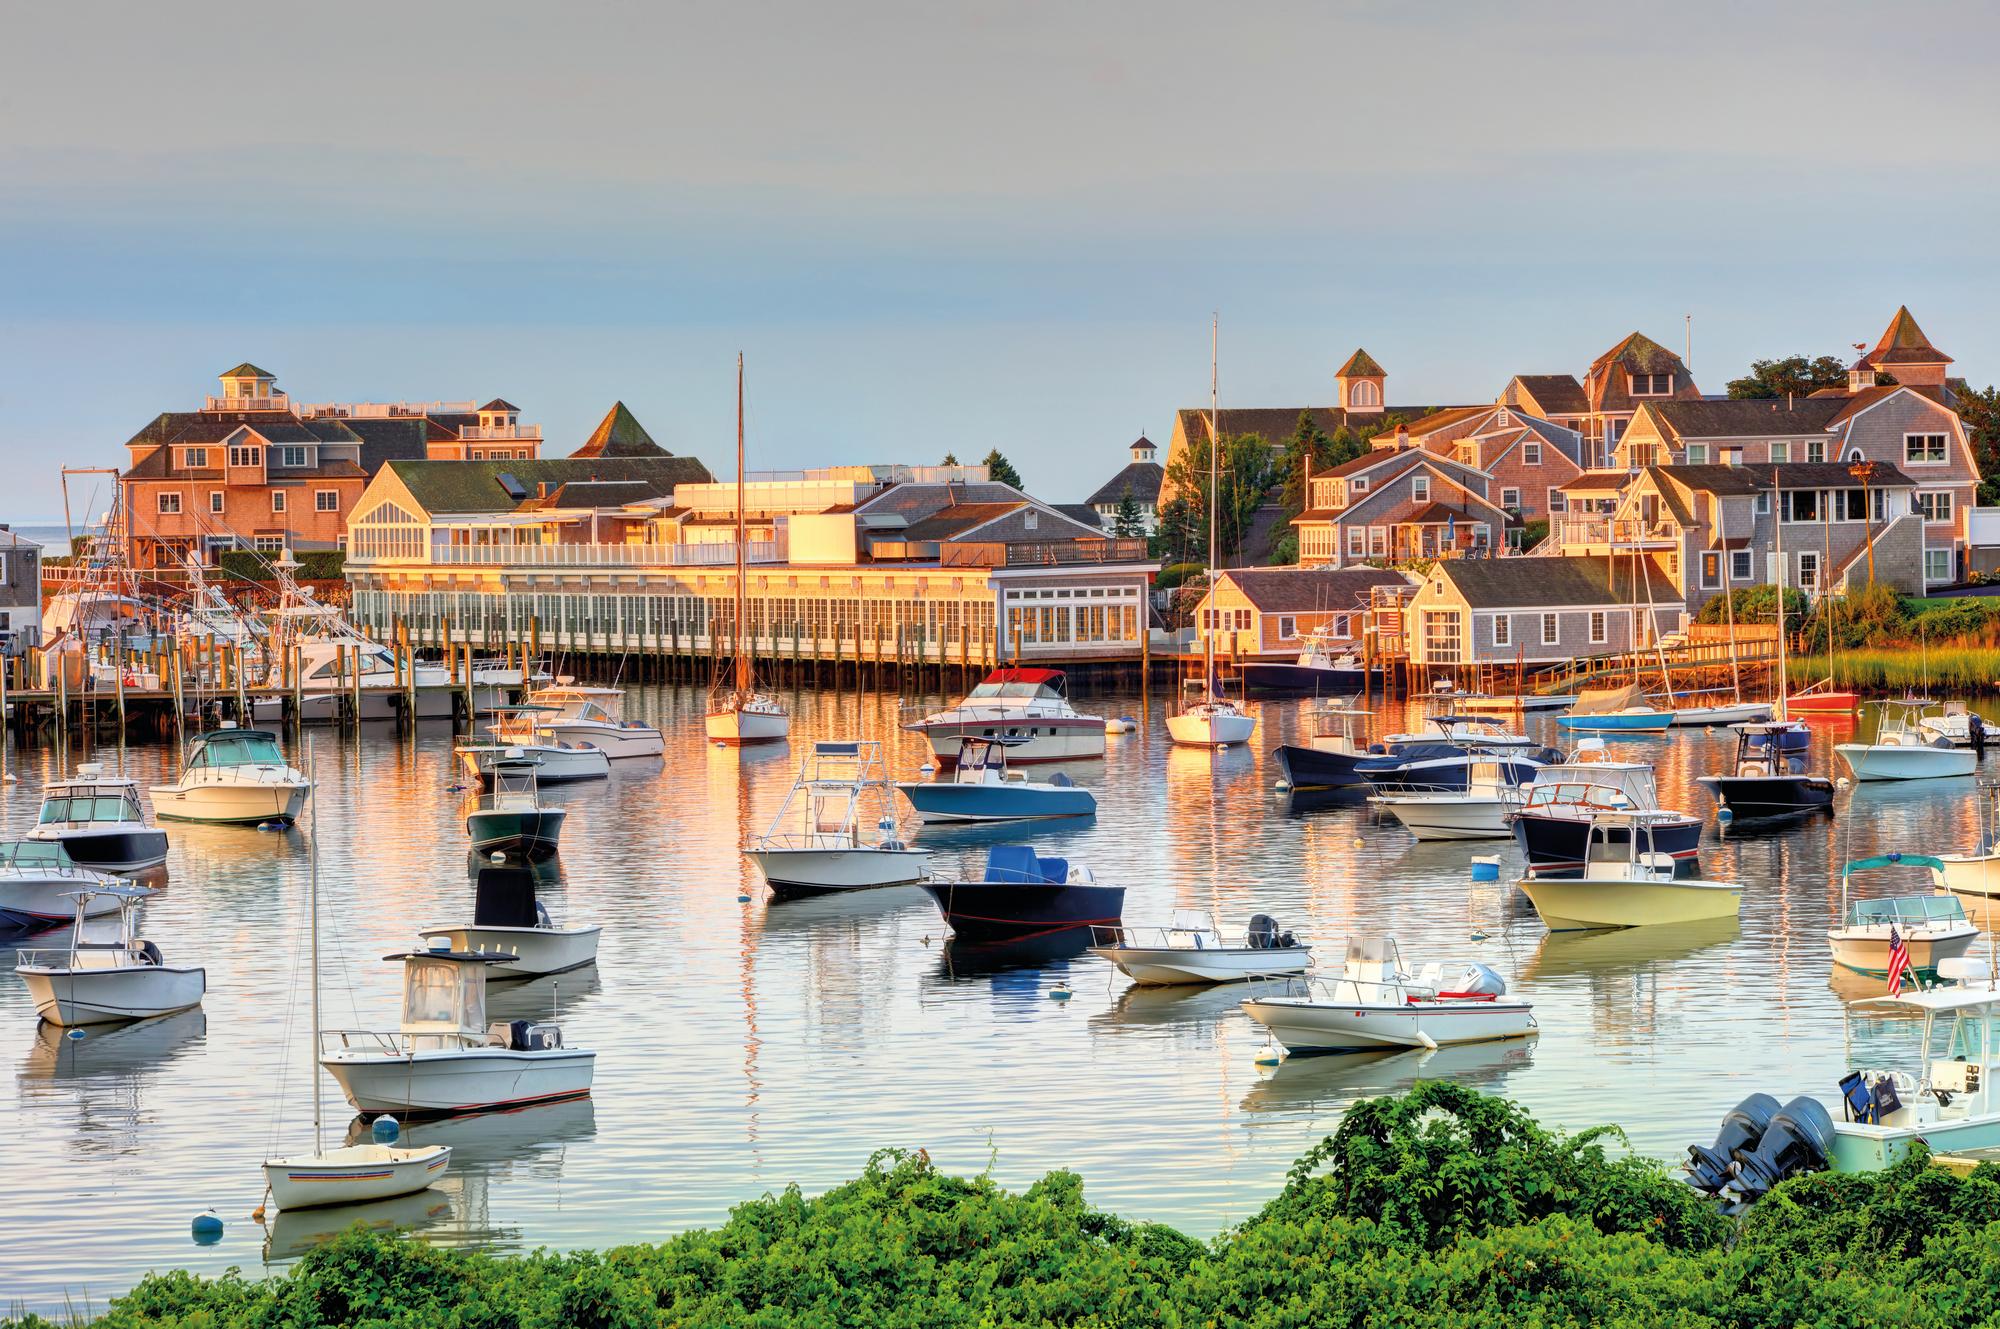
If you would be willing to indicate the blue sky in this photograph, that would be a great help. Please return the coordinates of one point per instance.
(949, 228)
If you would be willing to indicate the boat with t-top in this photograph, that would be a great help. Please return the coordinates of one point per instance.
(1627, 881)
(1553, 823)
(979, 787)
(1930, 926)
(836, 829)
(1903, 751)
(1378, 1003)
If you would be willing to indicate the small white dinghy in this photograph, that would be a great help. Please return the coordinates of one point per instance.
(1192, 950)
(354, 1173)
(509, 919)
(122, 977)
(1377, 1004)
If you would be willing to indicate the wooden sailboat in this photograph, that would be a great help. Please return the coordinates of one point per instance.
(354, 1173)
(1212, 721)
(740, 713)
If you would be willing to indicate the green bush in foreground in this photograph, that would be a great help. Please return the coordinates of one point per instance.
(1440, 1208)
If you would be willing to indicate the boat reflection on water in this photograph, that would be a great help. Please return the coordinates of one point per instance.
(546, 871)
(1618, 952)
(1014, 965)
(292, 1233)
(550, 997)
(1145, 1007)
(1851, 987)
(1305, 802)
(106, 1077)
(806, 912)
(1332, 1083)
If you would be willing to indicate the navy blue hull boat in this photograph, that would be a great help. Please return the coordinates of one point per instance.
(1558, 842)
(1022, 895)
(1442, 766)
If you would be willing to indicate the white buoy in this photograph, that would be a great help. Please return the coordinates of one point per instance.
(1061, 992)
(1280, 785)
(927, 769)
(1270, 1054)
(498, 856)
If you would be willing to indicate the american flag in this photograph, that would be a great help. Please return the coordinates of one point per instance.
(1899, 960)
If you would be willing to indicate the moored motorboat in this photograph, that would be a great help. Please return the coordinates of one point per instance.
(1191, 949)
(1903, 751)
(1553, 822)
(1465, 729)
(513, 732)
(1930, 927)
(1376, 1003)
(1620, 710)
(1439, 764)
(981, 788)
(1974, 877)
(509, 920)
(234, 776)
(1022, 895)
(37, 879)
(1960, 727)
(122, 977)
(568, 713)
(836, 829)
(1019, 703)
(1479, 810)
(512, 819)
(1628, 882)
(97, 820)
(1332, 748)
(1734, 712)
(1770, 776)
(1326, 666)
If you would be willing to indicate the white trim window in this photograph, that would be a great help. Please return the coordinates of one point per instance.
(1740, 565)
(1360, 483)
(244, 455)
(1809, 571)
(1503, 629)
(1557, 501)
(1531, 454)
(1510, 498)
(1815, 449)
(195, 458)
(1935, 504)
(1652, 385)
(292, 456)
(277, 500)
(1600, 627)
(1925, 450)
(170, 505)
(326, 500)
(215, 500)
(1697, 454)
(1551, 630)
(1420, 488)
(1288, 627)
(1357, 542)
(1343, 626)
(1781, 452)
(1937, 566)
(1762, 506)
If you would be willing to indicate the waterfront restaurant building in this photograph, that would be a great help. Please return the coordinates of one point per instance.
(606, 555)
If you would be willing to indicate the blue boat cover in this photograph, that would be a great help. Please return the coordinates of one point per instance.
(1055, 870)
(1012, 862)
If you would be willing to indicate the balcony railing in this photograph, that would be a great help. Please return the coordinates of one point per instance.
(379, 410)
(1042, 553)
(499, 433)
(718, 554)
(277, 401)
(1624, 531)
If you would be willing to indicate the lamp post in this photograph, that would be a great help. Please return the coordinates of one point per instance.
(1864, 471)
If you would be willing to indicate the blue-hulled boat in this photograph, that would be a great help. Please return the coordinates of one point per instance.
(1444, 766)
(1771, 776)
(1614, 711)
(981, 788)
(1023, 895)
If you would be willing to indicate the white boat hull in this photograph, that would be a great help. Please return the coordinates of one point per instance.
(1866, 949)
(1891, 761)
(1305, 1024)
(559, 765)
(1569, 904)
(1166, 966)
(820, 870)
(446, 1082)
(36, 901)
(736, 727)
(1975, 880)
(355, 1174)
(1745, 713)
(231, 801)
(1204, 731)
(540, 950)
(68, 997)
(615, 741)
(1442, 817)
(1048, 739)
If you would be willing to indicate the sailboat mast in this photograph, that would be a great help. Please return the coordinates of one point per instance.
(1728, 599)
(1214, 490)
(312, 909)
(1778, 544)
(742, 597)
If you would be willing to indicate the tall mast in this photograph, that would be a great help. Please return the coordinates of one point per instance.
(1214, 449)
(1778, 543)
(742, 598)
(1728, 598)
(312, 908)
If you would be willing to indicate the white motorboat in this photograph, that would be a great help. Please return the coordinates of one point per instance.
(1479, 811)
(1553, 822)
(1903, 751)
(1375, 1004)
(592, 715)
(1212, 722)
(1949, 1104)
(1468, 730)
(236, 776)
(1931, 926)
(1191, 949)
(37, 880)
(513, 731)
(508, 919)
(741, 714)
(121, 977)
(355, 1173)
(1975, 877)
(1016, 703)
(1627, 880)
(818, 841)
(1334, 744)
(97, 820)
(1958, 727)
(981, 788)
(445, 1059)
(513, 818)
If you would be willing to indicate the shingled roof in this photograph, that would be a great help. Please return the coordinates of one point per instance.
(1572, 582)
(1754, 417)
(1557, 394)
(620, 434)
(246, 370)
(1310, 590)
(1904, 343)
(1718, 479)
(1361, 365)
(1140, 479)
(474, 486)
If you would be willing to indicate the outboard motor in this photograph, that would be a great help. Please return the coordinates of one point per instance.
(1483, 981)
(1708, 1167)
(1975, 730)
(1263, 932)
(1798, 1139)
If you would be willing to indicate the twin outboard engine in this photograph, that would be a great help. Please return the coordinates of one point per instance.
(1760, 1144)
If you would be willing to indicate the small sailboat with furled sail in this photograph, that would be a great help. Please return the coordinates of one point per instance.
(740, 713)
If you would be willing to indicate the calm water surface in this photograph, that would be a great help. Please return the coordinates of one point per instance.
(744, 1047)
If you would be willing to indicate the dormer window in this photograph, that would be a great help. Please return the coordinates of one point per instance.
(1360, 484)
(240, 455)
(1652, 385)
(292, 456)
(194, 458)
(1366, 392)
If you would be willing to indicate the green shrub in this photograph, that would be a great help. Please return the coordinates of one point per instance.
(314, 565)
(1174, 574)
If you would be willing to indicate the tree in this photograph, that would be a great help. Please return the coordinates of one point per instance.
(1308, 444)
(1128, 522)
(1001, 471)
(1245, 474)
(1981, 413)
(950, 459)
(1795, 375)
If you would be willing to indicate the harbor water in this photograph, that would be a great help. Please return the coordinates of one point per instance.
(745, 1047)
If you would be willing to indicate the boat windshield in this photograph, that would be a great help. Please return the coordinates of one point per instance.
(443, 994)
(58, 808)
(241, 749)
(1022, 690)
(1908, 909)
(373, 661)
(43, 854)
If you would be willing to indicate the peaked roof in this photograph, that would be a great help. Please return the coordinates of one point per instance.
(1557, 393)
(1140, 479)
(1553, 582)
(246, 370)
(499, 404)
(1748, 417)
(1904, 343)
(1361, 365)
(619, 434)
(474, 486)
(1310, 590)
(1640, 352)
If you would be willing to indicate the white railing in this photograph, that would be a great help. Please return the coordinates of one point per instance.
(385, 409)
(277, 401)
(720, 554)
(498, 433)
(772, 495)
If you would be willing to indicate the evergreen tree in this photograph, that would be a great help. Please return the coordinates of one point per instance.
(950, 459)
(1795, 375)
(1128, 521)
(1001, 471)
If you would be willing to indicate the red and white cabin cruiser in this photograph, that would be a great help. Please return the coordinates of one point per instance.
(1028, 705)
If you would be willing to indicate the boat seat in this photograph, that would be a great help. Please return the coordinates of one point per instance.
(147, 952)
(1061, 781)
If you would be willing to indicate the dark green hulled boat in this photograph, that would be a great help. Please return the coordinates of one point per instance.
(512, 819)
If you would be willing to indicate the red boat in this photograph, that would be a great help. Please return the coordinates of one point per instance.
(1822, 703)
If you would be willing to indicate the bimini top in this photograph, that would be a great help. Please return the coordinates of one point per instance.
(1893, 860)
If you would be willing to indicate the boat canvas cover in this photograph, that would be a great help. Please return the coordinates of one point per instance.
(1607, 701)
(504, 898)
(1017, 863)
